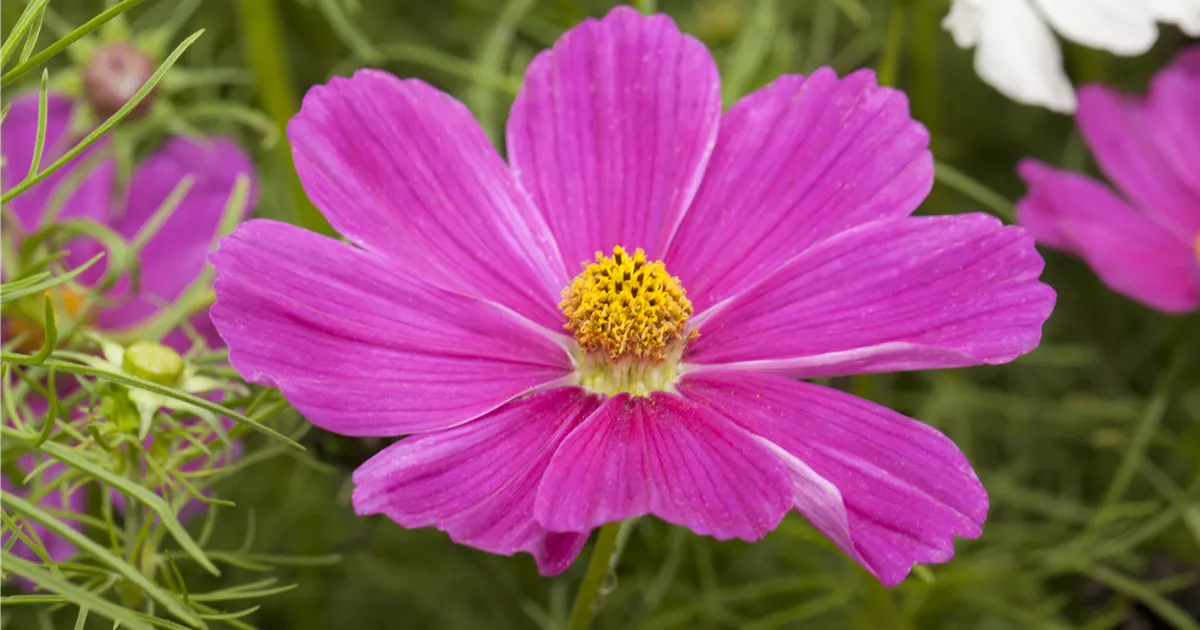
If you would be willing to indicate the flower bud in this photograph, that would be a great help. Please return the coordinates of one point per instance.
(113, 75)
(154, 362)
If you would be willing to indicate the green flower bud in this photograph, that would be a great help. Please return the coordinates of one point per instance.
(154, 362)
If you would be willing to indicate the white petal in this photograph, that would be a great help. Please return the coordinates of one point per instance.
(1124, 27)
(1019, 56)
(1183, 13)
(963, 22)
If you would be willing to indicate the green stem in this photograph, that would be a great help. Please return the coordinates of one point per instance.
(889, 63)
(604, 559)
(1145, 431)
(926, 38)
(975, 190)
(262, 36)
(71, 38)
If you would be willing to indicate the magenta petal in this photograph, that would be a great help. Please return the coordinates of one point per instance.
(904, 294)
(1172, 108)
(358, 345)
(477, 481)
(404, 171)
(1120, 132)
(664, 456)
(176, 255)
(611, 131)
(797, 161)
(1130, 251)
(889, 491)
(19, 131)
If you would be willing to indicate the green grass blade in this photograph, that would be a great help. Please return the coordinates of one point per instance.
(8, 294)
(78, 595)
(134, 490)
(39, 140)
(973, 189)
(61, 44)
(98, 551)
(23, 25)
(112, 121)
(1139, 591)
(138, 383)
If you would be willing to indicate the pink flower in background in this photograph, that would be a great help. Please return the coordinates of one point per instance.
(716, 256)
(175, 256)
(1144, 243)
(171, 260)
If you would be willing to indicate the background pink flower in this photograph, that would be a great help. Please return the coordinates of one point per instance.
(1144, 243)
(170, 261)
(786, 220)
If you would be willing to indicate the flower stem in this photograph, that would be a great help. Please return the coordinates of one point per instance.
(605, 556)
(888, 68)
(262, 35)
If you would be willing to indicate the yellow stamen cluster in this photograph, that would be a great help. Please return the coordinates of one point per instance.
(625, 306)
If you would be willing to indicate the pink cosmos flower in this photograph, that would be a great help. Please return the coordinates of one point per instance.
(717, 257)
(171, 260)
(1145, 242)
(175, 256)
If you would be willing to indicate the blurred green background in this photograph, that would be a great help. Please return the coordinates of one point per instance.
(1089, 447)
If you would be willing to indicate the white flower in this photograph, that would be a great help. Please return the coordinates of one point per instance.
(1019, 55)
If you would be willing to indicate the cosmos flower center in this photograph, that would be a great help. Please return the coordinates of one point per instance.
(625, 306)
(629, 317)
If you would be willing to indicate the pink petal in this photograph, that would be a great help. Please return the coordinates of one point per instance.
(19, 130)
(797, 161)
(403, 170)
(903, 294)
(1129, 250)
(664, 456)
(175, 257)
(358, 345)
(1172, 107)
(477, 481)
(611, 131)
(1120, 132)
(889, 491)
(1188, 61)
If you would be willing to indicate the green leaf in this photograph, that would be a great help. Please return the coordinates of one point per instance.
(134, 490)
(24, 24)
(39, 140)
(44, 283)
(974, 189)
(99, 552)
(133, 381)
(112, 121)
(493, 53)
(164, 211)
(78, 595)
(51, 340)
(345, 28)
(70, 38)
(1138, 590)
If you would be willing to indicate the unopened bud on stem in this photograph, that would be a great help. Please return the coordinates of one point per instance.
(154, 362)
(113, 75)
